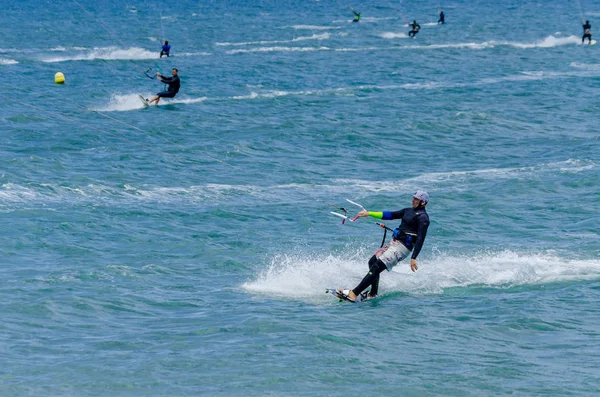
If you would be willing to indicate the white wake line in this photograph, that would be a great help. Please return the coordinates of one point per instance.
(114, 54)
(323, 36)
(307, 274)
(526, 76)
(548, 42)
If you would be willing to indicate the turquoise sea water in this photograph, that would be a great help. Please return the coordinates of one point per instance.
(184, 250)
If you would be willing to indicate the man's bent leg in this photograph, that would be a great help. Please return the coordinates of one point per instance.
(370, 278)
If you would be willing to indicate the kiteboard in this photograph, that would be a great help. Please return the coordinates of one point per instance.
(592, 42)
(343, 297)
(144, 101)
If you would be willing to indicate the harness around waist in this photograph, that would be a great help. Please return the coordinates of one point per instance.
(406, 238)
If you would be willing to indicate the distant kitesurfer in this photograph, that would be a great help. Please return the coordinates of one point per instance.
(587, 32)
(173, 88)
(415, 28)
(165, 49)
(409, 236)
(442, 17)
(356, 16)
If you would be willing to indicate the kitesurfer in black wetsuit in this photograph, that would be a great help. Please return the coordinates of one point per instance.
(409, 236)
(173, 88)
(356, 16)
(442, 19)
(587, 32)
(415, 29)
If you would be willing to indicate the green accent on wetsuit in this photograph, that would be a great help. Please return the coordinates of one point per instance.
(378, 215)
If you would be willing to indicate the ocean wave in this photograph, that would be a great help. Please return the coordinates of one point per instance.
(458, 178)
(49, 193)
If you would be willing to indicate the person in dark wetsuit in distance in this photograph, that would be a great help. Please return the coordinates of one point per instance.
(442, 19)
(356, 16)
(587, 32)
(415, 29)
(173, 88)
(409, 236)
(166, 48)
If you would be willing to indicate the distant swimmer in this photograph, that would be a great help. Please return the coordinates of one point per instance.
(166, 48)
(415, 29)
(356, 16)
(408, 237)
(587, 32)
(442, 17)
(173, 88)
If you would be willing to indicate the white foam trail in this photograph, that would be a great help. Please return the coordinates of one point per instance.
(374, 19)
(392, 35)
(459, 178)
(108, 53)
(278, 49)
(6, 61)
(548, 42)
(303, 276)
(190, 54)
(124, 103)
(280, 93)
(322, 36)
(429, 85)
(252, 95)
(585, 66)
(310, 27)
(474, 46)
(360, 49)
(182, 100)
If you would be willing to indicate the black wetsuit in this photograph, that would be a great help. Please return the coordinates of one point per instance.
(587, 32)
(356, 16)
(442, 18)
(415, 29)
(173, 88)
(414, 222)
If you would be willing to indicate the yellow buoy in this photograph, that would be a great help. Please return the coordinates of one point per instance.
(59, 78)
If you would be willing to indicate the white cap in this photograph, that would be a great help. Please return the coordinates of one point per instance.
(421, 195)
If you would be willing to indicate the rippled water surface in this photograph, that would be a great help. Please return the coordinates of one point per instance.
(184, 249)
